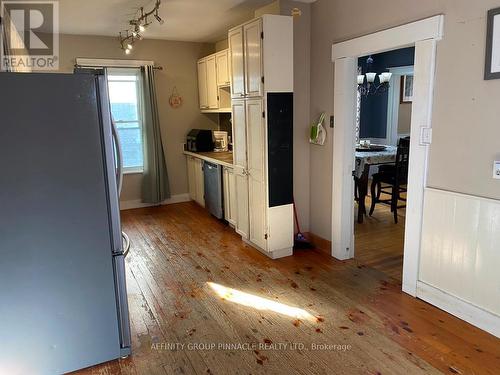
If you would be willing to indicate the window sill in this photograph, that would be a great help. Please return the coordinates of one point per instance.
(133, 171)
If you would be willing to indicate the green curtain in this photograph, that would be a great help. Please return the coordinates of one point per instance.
(155, 185)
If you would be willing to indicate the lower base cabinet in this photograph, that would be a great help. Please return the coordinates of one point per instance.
(196, 180)
(230, 202)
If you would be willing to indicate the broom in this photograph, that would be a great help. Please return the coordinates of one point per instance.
(300, 241)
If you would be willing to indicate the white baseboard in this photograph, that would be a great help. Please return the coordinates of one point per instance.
(474, 315)
(137, 203)
(271, 254)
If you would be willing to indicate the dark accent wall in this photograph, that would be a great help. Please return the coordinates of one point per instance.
(373, 120)
(280, 148)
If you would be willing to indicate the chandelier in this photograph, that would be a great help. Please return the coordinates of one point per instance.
(368, 86)
(138, 26)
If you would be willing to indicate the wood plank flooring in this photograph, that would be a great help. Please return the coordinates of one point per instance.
(366, 324)
(379, 242)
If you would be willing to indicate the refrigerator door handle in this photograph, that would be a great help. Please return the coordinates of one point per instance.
(111, 157)
(119, 156)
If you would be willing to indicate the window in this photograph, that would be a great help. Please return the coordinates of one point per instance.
(124, 94)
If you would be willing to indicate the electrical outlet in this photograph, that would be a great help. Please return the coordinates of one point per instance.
(496, 170)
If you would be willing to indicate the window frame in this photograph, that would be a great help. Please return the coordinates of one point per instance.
(136, 72)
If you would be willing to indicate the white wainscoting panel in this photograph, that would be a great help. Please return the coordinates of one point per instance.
(460, 253)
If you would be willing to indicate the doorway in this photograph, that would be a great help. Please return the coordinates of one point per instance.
(423, 35)
(383, 120)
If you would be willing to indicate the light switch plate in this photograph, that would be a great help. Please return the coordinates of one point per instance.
(425, 136)
(496, 169)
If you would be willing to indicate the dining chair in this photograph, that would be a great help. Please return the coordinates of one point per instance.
(392, 180)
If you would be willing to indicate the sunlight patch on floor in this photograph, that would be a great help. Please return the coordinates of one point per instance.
(259, 303)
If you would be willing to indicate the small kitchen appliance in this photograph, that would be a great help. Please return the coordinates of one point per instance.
(220, 141)
(200, 140)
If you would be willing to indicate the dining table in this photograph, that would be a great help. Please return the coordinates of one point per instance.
(364, 160)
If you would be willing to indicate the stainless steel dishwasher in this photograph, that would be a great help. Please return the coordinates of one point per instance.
(213, 189)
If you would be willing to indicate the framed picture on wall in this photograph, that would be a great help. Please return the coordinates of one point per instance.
(407, 89)
(492, 66)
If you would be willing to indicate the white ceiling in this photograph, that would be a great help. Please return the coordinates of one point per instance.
(185, 20)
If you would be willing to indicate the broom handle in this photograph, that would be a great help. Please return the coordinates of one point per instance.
(295, 216)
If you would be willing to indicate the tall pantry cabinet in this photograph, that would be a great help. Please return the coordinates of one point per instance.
(261, 59)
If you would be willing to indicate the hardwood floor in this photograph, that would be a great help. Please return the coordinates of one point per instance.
(307, 299)
(379, 242)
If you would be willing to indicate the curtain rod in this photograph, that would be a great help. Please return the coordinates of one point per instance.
(155, 67)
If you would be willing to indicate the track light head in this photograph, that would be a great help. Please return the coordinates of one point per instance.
(158, 18)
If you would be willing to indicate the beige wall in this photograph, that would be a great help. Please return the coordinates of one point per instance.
(466, 111)
(221, 45)
(272, 8)
(179, 69)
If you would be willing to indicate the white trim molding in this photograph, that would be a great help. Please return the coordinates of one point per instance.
(472, 314)
(137, 203)
(393, 38)
(423, 35)
(116, 63)
(394, 102)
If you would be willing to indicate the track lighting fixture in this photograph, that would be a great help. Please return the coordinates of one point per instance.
(139, 25)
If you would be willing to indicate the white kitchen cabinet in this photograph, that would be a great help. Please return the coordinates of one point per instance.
(214, 82)
(252, 41)
(212, 89)
(261, 56)
(191, 168)
(245, 56)
(229, 195)
(256, 152)
(196, 180)
(199, 182)
(233, 206)
(236, 61)
(222, 62)
(202, 83)
(240, 166)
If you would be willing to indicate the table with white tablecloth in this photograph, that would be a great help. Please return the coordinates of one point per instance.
(364, 160)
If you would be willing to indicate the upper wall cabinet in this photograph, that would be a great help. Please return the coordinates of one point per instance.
(213, 83)
(235, 38)
(252, 41)
(222, 61)
(213, 100)
(261, 55)
(202, 83)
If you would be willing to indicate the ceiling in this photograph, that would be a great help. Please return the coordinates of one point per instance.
(185, 20)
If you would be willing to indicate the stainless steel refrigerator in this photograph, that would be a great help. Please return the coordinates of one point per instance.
(63, 300)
